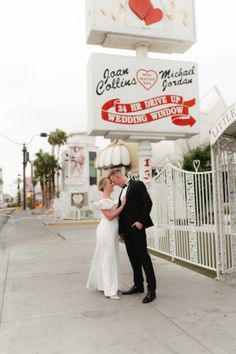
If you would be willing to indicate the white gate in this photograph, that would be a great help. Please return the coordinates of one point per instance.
(184, 216)
(194, 213)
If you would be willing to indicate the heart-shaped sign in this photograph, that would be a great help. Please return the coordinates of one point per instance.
(147, 78)
(153, 16)
(77, 198)
(140, 7)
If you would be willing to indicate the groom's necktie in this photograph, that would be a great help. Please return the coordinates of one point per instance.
(123, 187)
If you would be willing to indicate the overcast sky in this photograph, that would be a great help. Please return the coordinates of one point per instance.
(43, 58)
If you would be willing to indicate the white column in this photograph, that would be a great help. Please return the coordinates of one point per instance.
(145, 155)
(144, 148)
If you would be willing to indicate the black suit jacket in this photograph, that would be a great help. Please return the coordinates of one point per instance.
(137, 208)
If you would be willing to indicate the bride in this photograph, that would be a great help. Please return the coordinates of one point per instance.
(103, 273)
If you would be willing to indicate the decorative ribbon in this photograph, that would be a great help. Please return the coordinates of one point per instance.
(178, 111)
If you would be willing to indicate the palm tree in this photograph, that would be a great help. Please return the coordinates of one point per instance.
(45, 167)
(57, 138)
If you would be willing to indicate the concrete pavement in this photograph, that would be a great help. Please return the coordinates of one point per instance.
(45, 308)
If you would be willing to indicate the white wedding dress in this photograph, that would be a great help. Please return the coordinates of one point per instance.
(104, 268)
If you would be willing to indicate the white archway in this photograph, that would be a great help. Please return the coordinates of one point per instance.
(223, 147)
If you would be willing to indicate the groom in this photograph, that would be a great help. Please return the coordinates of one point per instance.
(133, 221)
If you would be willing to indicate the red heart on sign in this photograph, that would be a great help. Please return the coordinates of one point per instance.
(153, 16)
(140, 7)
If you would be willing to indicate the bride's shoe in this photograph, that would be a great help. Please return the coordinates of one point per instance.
(114, 297)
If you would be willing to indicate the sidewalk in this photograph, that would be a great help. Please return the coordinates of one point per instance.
(45, 308)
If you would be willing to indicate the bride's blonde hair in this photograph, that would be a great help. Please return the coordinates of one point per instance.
(101, 183)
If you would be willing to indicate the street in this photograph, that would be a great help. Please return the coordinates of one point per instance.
(46, 309)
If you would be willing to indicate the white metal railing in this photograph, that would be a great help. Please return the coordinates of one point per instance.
(184, 216)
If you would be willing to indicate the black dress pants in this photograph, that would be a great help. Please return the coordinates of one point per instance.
(136, 246)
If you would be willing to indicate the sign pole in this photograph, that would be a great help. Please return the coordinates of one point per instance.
(144, 147)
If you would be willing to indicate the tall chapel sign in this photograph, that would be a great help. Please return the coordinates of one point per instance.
(166, 25)
(141, 98)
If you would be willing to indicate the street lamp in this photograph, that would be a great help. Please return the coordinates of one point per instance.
(25, 160)
(32, 184)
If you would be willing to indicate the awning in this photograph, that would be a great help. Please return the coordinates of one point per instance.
(113, 156)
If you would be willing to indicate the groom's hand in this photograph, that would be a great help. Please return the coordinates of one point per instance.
(138, 225)
(121, 237)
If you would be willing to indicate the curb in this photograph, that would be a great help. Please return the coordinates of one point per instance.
(77, 223)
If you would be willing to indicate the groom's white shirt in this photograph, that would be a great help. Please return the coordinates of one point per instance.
(124, 191)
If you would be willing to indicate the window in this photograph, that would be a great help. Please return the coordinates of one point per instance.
(92, 169)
